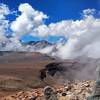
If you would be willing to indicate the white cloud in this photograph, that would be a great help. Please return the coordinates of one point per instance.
(89, 11)
(13, 44)
(4, 10)
(28, 20)
(46, 50)
(83, 36)
(83, 39)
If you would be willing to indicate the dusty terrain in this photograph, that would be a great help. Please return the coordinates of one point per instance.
(20, 71)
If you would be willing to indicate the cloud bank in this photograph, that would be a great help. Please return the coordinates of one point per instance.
(83, 36)
(27, 21)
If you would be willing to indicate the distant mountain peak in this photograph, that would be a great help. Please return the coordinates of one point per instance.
(36, 42)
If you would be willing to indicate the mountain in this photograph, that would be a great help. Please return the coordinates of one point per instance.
(18, 63)
(23, 70)
(75, 67)
(38, 44)
(9, 57)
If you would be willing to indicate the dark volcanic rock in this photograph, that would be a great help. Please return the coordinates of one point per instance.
(72, 69)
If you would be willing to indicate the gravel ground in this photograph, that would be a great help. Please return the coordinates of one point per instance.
(78, 90)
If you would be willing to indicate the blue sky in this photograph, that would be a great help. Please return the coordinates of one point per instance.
(57, 10)
(52, 39)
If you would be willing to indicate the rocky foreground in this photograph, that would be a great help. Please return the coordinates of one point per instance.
(78, 90)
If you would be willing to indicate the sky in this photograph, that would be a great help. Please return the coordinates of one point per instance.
(57, 10)
(73, 25)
